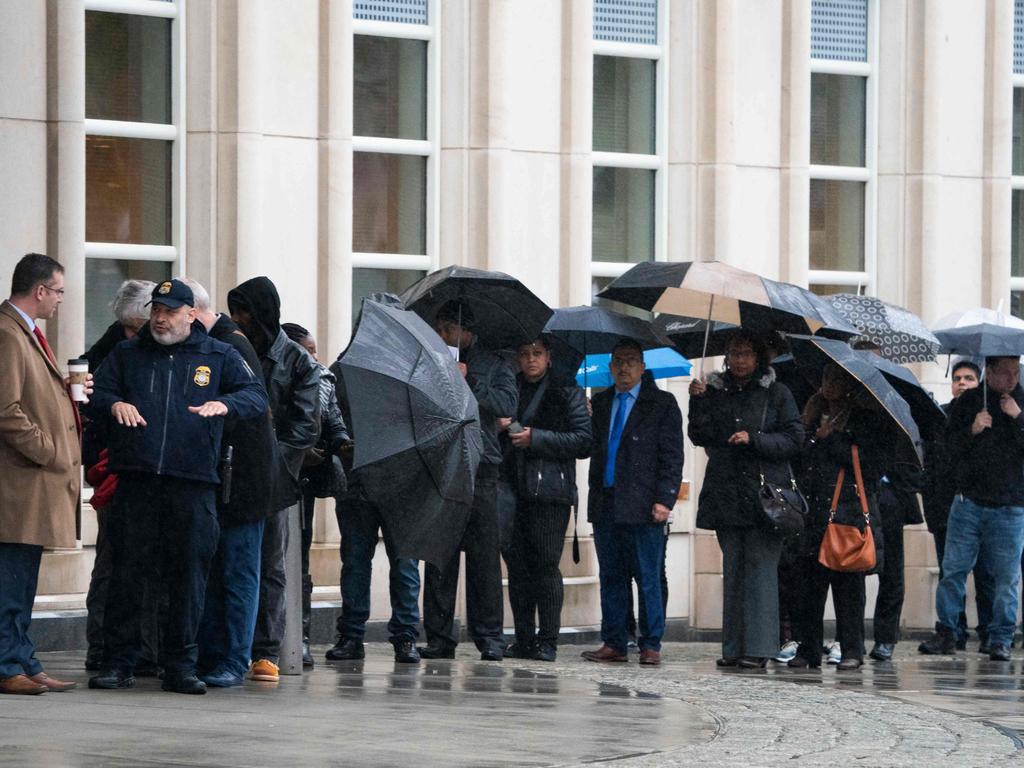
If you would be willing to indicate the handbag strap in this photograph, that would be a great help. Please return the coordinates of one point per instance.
(760, 465)
(858, 479)
(531, 409)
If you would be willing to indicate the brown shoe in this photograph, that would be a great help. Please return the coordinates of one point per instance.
(58, 686)
(604, 653)
(21, 684)
(650, 658)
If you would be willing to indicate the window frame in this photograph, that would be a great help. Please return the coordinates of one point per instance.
(174, 132)
(1016, 185)
(863, 281)
(657, 162)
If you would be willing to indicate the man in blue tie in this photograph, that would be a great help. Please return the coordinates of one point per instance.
(634, 480)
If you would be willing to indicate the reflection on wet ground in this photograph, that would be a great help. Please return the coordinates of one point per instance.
(373, 712)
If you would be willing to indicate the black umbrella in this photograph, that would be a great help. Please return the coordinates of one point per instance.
(812, 353)
(506, 313)
(900, 335)
(596, 330)
(928, 415)
(418, 431)
(689, 335)
(982, 340)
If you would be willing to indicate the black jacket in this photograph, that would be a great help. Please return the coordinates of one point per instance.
(291, 376)
(98, 352)
(493, 383)
(939, 486)
(94, 432)
(728, 496)
(327, 479)
(649, 462)
(990, 466)
(162, 382)
(560, 434)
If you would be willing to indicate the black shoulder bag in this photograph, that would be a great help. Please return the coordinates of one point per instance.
(784, 509)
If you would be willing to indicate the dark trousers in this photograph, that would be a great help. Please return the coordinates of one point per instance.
(483, 576)
(150, 614)
(232, 596)
(308, 507)
(750, 592)
(848, 598)
(889, 603)
(163, 529)
(270, 617)
(982, 591)
(359, 522)
(535, 589)
(19, 575)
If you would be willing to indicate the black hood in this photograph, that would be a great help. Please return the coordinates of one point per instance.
(259, 298)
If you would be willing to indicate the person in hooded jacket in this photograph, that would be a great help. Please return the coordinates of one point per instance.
(749, 425)
(292, 380)
(555, 431)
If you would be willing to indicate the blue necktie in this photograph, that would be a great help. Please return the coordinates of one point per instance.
(613, 439)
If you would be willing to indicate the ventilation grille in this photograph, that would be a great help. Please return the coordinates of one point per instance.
(839, 29)
(398, 11)
(626, 21)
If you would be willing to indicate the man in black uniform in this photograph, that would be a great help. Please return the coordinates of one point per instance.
(164, 394)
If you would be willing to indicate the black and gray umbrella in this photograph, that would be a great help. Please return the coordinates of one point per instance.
(901, 335)
(812, 353)
(928, 415)
(417, 430)
(693, 337)
(505, 312)
(596, 330)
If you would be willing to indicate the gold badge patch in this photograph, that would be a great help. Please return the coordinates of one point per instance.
(165, 288)
(202, 377)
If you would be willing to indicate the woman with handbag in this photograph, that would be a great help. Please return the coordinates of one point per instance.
(551, 431)
(750, 427)
(849, 444)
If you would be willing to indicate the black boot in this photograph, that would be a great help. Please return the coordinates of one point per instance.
(307, 657)
(187, 683)
(943, 642)
(346, 649)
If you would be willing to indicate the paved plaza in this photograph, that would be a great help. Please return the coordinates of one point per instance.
(916, 711)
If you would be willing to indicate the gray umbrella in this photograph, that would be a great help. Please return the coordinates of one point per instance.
(418, 431)
(901, 335)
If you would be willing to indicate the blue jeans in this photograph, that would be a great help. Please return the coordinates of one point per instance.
(359, 522)
(996, 535)
(624, 550)
(232, 597)
(19, 575)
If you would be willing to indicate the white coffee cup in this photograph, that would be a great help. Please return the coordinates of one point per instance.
(77, 371)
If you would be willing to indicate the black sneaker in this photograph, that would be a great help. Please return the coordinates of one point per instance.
(999, 652)
(983, 647)
(882, 651)
(406, 653)
(943, 642)
(307, 657)
(183, 684)
(112, 679)
(436, 651)
(545, 652)
(346, 649)
(517, 650)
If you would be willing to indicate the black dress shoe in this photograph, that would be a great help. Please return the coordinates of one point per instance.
(517, 650)
(436, 651)
(999, 652)
(849, 665)
(545, 652)
(406, 653)
(346, 649)
(802, 662)
(882, 651)
(183, 684)
(112, 679)
(492, 654)
(723, 662)
(752, 662)
(307, 657)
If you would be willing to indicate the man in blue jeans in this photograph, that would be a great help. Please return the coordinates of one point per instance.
(985, 440)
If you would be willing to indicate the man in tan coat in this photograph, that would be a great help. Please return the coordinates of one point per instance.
(40, 455)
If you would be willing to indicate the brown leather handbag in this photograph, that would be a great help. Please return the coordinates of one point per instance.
(846, 548)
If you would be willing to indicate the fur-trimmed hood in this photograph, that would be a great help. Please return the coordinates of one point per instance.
(719, 379)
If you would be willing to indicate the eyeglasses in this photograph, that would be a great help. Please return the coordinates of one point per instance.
(58, 291)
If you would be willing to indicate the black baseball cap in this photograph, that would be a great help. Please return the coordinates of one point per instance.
(172, 293)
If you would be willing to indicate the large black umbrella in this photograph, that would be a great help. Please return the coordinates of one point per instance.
(928, 415)
(900, 335)
(812, 353)
(695, 337)
(417, 430)
(596, 330)
(506, 313)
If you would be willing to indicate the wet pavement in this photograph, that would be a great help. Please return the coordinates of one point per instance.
(920, 711)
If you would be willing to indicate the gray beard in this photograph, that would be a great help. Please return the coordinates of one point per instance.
(171, 337)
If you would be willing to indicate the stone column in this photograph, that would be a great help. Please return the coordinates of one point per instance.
(794, 183)
(998, 154)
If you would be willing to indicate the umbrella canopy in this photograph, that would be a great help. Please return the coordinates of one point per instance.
(983, 340)
(901, 335)
(713, 290)
(977, 316)
(418, 431)
(813, 353)
(662, 363)
(928, 415)
(689, 334)
(592, 330)
(505, 312)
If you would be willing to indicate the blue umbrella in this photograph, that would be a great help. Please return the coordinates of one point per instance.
(662, 363)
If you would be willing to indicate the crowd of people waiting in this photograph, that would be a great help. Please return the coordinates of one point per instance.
(200, 430)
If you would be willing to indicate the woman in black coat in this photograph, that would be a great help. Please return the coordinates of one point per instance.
(749, 425)
(552, 430)
(836, 418)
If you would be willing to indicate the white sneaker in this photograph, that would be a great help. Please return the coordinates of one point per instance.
(835, 654)
(787, 652)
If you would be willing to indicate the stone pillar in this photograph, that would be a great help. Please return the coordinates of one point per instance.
(794, 183)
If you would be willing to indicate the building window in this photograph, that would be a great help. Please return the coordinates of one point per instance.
(395, 150)
(134, 155)
(1017, 167)
(629, 178)
(842, 151)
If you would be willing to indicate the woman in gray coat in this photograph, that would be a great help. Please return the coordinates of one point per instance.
(749, 425)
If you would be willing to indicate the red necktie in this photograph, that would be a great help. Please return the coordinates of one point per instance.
(49, 353)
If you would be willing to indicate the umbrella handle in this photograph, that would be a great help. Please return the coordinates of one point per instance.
(707, 335)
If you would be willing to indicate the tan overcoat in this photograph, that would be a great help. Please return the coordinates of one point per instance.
(40, 450)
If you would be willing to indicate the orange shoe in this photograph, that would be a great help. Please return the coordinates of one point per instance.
(264, 670)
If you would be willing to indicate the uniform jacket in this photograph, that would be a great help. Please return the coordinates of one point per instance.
(649, 462)
(728, 496)
(162, 382)
(40, 452)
